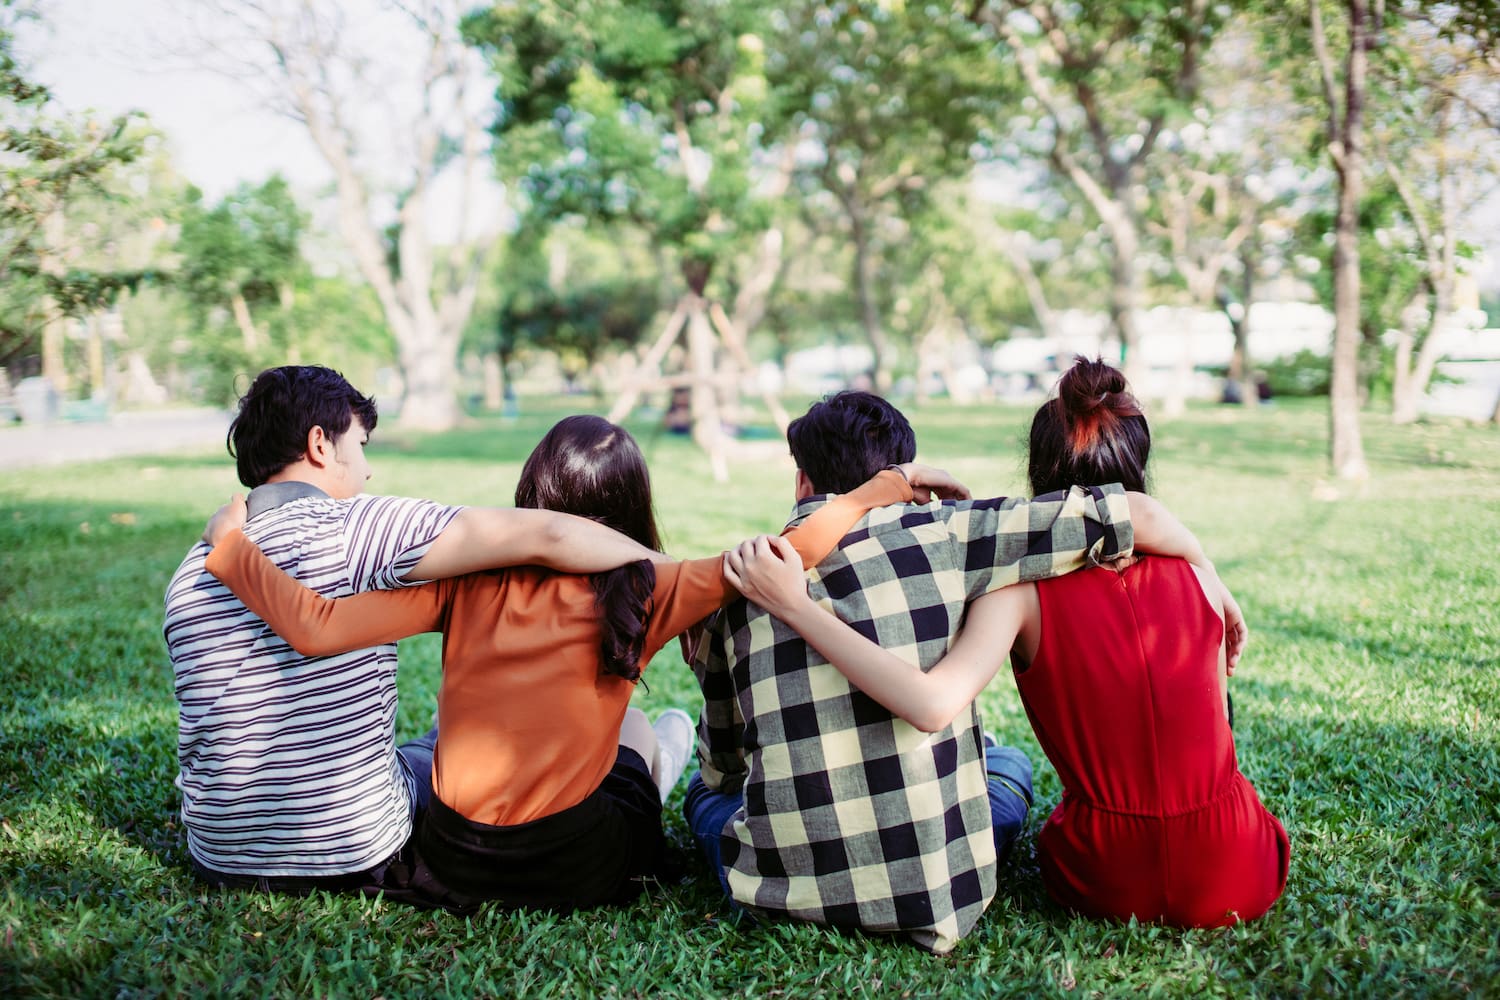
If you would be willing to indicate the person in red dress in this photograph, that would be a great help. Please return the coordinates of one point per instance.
(1123, 676)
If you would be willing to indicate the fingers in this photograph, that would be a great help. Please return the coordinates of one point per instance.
(784, 549)
(926, 481)
(1236, 632)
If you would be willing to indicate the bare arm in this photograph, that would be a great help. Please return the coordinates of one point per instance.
(482, 538)
(768, 573)
(1211, 587)
(1158, 530)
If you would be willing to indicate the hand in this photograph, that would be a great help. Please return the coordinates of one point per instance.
(925, 481)
(769, 572)
(1236, 632)
(230, 517)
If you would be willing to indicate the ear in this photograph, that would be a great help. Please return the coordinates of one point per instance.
(804, 487)
(319, 447)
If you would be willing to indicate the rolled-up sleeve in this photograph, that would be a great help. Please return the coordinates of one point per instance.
(1010, 540)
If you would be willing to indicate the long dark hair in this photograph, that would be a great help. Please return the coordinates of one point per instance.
(587, 466)
(1092, 432)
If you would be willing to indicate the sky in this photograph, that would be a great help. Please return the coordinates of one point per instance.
(112, 56)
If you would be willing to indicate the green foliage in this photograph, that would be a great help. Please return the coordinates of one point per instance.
(580, 323)
(1367, 714)
(886, 101)
(1305, 373)
(46, 162)
(240, 268)
(629, 112)
(249, 244)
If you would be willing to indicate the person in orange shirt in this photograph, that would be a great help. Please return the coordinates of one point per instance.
(547, 787)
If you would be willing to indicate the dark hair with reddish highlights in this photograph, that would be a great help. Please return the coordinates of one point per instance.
(844, 439)
(1092, 432)
(587, 466)
(281, 407)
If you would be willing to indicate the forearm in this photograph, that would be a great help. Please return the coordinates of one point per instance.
(483, 538)
(817, 536)
(901, 687)
(311, 624)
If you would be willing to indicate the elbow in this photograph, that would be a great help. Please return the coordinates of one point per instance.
(554, 532)
(930, 718)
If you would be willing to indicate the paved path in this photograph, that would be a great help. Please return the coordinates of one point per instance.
(157, 432)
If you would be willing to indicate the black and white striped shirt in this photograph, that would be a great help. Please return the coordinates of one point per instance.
(288, 763)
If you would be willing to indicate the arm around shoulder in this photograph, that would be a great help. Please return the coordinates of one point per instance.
(481, 538)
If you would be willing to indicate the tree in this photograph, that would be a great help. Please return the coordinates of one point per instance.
(1104, 80)
(1219, 181)
(1344, 140)
(1437, 155)
(46, 163)
(886, 101)
(244, 256)
(387, 131)
(648, 115)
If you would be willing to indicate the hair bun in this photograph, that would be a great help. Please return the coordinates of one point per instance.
(1092, 397)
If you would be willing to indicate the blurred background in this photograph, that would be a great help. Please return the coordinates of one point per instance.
(704, 207)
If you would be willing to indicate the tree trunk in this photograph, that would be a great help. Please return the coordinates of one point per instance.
(869, 308)
(707, 429)
(1403, 393)
(1036, 295)
(494, 381)
(431, 375)
(1346, 446)
(1124, 299)
(249, 335)
(1240, 368)
(54, 324)
(98, 383)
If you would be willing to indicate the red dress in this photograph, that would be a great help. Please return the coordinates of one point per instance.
(1156, 820)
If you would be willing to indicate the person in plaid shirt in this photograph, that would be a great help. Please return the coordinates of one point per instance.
(814, 802)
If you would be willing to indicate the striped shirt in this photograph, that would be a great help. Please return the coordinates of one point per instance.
(287, 764)
(852, 817)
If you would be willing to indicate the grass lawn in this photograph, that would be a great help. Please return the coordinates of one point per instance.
(1367, 715)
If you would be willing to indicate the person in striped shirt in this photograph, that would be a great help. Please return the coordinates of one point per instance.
(290, 774)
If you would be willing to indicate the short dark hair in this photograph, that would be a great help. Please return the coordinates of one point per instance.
(844, 439)
(279, 410)
(1091, 433)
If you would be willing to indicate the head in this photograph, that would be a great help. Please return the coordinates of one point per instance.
(846, 438)
(300, 414)
(1092, 432)
(587, 466)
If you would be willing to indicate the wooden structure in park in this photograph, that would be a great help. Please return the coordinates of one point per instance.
(708, 329)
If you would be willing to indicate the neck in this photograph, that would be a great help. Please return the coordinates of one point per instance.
(301, 472)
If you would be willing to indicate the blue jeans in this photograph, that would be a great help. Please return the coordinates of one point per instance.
(707, 812)
(1009, 778)
(1009, 775)
(416, 761)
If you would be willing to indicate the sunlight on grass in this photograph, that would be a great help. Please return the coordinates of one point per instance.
(1366, 715)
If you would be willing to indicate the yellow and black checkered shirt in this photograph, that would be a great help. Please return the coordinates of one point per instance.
(851, 816)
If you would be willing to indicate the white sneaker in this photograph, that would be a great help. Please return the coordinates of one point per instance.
(675, 736)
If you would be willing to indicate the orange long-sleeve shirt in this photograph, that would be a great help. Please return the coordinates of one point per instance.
(529, 723)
